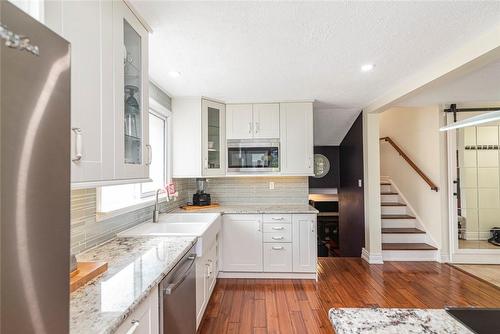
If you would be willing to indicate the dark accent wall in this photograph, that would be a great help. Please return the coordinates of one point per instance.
(330, 180)
(351, 196)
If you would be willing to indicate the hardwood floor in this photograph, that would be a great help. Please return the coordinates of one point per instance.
(301, 306)
(487, 272)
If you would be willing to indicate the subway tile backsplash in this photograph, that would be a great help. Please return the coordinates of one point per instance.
(255, 190)
(86, 232)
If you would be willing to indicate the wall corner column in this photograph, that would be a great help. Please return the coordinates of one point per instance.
(372, 253)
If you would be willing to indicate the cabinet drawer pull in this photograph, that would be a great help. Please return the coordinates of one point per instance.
(278, 247)
(135, 324)
(150, 155)
(277, 238)
(78, 144)
(279, 219)
(279, 228)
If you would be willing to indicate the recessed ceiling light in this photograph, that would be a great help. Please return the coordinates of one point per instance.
(174, 74)
(367, 67)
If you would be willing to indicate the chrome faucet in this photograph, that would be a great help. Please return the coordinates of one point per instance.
(156, 211)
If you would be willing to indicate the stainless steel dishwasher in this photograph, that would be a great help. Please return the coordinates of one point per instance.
(178, 297)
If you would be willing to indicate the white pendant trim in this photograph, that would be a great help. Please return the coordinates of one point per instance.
(480, 119)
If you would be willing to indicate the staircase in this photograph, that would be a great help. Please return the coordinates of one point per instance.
(403, 237)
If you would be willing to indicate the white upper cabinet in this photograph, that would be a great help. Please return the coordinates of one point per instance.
(266, 120)
(186, 134)
(213, 120)
(199, 137)
(92, 120)
(247, 121)
(297, 147)
(239, 121)
(130, 45)
(97, 32)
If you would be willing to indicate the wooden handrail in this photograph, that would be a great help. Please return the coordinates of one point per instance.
(411, 163)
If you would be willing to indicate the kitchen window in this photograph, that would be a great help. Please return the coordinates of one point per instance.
(158, 142)
(123, 198)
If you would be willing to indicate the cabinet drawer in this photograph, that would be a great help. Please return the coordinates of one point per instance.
(277, 218)
(278, 227)
(284, 236)
(277, 257)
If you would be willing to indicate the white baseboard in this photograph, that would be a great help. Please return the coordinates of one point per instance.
(444, 257)
(371, 258)
(474, 236)
(476, 256)
(252, 275)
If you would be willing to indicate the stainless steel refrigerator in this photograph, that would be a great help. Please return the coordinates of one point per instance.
(35, 175)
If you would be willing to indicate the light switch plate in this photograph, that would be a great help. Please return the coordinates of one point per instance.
(271, 185)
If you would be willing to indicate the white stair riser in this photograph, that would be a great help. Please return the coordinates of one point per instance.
(414, 255)
(391, 223)
(394, 210)
(390, 198)
(385, 188)
(404, 238)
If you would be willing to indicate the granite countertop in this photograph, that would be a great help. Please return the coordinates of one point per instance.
(135, 266)
(256, 208)
(393, 320)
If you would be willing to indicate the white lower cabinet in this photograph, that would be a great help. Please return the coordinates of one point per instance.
(242, 243)
(206, 277)
(144, 319)
(278, 257)
(304, 243)
(269, 244)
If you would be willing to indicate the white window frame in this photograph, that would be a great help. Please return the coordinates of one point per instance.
(163, 113)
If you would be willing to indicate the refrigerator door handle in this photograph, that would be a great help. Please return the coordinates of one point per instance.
(78, 144)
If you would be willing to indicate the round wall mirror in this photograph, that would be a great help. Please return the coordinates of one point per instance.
(321, 165)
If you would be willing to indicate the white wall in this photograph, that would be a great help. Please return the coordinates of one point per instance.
(416, 131)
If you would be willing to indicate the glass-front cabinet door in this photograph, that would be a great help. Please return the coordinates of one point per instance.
(214, 137)
(133, 153)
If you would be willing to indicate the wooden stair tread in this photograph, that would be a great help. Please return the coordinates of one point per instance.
(392, 204)
(389, 193)
(385, 184)
(409, 246)
(397, 217)
(403, 230)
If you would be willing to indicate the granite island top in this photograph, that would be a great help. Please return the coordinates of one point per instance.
(135, 266)
(257, 209)
(394, 321)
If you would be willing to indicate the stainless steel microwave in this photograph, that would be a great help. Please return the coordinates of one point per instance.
(253, 156)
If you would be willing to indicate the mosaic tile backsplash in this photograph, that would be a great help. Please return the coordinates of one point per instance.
(86, 232)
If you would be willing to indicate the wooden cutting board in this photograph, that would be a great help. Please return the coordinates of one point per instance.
(86, 271)
(191, 207)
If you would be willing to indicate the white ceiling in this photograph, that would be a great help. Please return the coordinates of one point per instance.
(262, 51)
(479, 86)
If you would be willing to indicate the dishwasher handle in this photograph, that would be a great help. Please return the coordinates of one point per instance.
(171, 287)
